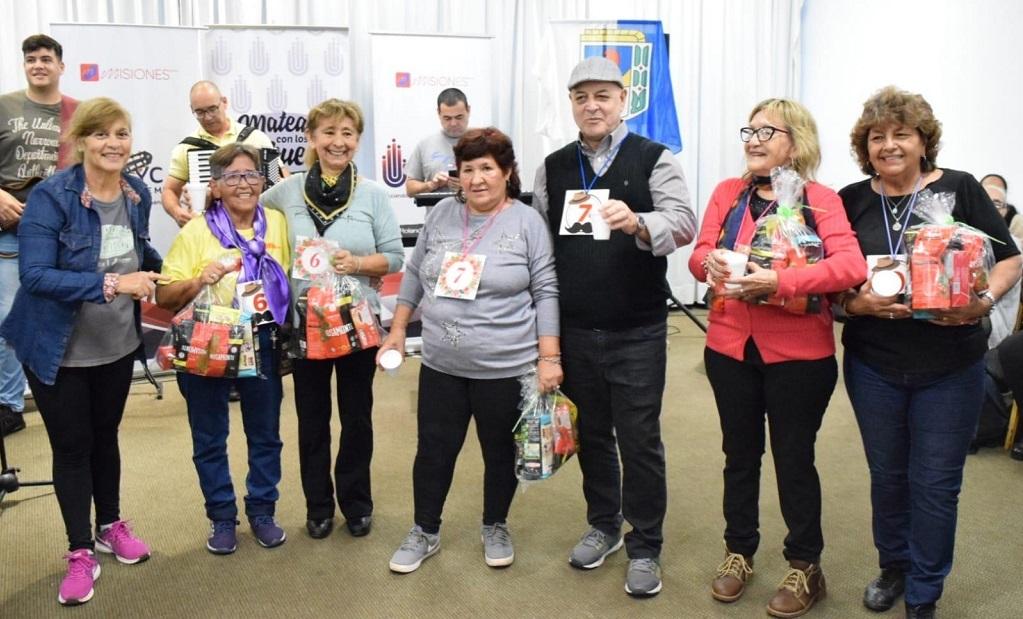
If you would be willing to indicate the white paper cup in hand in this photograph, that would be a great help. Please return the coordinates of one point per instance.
(736, 266)
(197, 194)
(601, 231)
(391, 360)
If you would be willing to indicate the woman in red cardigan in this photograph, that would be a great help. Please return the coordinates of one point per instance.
(773, 359)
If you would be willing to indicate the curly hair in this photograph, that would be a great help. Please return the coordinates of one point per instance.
(476, 143)
(891, 106)
(802, 129)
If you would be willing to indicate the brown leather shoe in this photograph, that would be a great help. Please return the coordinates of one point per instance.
(732, 576)
(801, 588)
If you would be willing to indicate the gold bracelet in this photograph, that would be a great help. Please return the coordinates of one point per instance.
(358, 266)
(555, 359)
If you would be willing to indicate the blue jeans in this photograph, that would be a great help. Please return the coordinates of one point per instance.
(916, 430)
(208, 418)
(616, 378)
(12, 378)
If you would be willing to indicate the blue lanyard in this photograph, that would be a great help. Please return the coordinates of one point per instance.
(893, 251)
(603, 168)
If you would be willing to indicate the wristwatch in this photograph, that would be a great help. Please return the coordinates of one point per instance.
(640, 224)
(990, 297)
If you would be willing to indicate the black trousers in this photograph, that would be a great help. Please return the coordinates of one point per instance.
(616, 378)
(793, 395)
(354, 375)
(446, 403)
(82, 411)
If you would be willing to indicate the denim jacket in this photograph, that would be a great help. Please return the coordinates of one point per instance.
(59, 240)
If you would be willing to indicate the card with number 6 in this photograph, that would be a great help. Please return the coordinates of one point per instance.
(313, 257)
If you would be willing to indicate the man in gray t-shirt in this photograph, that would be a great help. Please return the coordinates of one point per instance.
(30, 124)
(427, 168)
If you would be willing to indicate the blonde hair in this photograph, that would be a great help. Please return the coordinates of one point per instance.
(802, 131)
(331, 109)
(90, 116)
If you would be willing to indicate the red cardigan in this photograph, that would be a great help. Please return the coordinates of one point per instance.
(780, 335)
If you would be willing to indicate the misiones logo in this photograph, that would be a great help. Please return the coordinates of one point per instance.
(90, 72)
(392, 165)
(404, 79)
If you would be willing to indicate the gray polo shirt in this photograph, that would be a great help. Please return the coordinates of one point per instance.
(432, 155)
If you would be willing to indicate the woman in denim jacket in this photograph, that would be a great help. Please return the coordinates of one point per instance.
(85, 263)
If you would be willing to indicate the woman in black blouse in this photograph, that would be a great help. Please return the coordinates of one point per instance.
(916, 385)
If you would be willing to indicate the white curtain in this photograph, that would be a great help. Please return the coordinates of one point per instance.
(725, 55)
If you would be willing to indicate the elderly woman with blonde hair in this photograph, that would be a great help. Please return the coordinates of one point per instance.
(766, 362)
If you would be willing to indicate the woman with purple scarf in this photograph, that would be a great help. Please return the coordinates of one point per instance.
(236, 243)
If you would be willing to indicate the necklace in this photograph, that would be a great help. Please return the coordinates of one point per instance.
(893, 207)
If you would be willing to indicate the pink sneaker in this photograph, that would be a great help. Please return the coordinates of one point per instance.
(82, 572)
(119, 541)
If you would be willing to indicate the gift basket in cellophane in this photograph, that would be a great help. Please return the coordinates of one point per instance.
(949, 260)
(546, 435)
(783, 240)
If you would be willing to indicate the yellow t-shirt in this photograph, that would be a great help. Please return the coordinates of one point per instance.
(195, 246)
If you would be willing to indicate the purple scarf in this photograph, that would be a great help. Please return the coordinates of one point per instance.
(256, 263)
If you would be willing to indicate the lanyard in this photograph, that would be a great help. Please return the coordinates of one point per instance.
(482, 230)
(893, 250)
(603, 168)
(767, 211)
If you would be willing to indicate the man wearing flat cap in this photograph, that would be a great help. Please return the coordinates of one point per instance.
(614, 312)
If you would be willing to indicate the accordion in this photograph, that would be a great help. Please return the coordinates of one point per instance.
(199, 165)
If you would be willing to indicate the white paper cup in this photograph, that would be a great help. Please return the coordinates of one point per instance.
(736, 266)
(601, 231)
(197, 193)
(391, 360)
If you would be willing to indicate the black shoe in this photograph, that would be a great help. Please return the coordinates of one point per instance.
(359, 527)
(923, 611)
(319, 529)
(882, 592)
(10, 421)
(233, 395)
(1016, 453)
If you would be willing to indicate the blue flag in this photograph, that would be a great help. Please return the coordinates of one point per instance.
(640, 49)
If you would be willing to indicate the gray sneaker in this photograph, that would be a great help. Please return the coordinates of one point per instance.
(643, 578)
(418, 545)
(593, 548)
(497, 545)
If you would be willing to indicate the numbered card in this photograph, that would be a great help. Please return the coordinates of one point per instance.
(252, 300)
(313, 257)
(888, 275)
(578, 217)
(460, 276)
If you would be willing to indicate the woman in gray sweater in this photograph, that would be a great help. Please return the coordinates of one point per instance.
(483, 274)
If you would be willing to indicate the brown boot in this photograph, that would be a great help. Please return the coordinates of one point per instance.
(801, 588)
(732, 576)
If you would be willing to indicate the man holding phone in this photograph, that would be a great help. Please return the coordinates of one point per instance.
(432, 164)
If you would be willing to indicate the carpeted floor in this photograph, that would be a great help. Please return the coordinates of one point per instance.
(346, 577)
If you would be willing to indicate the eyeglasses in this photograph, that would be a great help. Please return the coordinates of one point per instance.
(232, 179)
(206, 111)
(764, 134)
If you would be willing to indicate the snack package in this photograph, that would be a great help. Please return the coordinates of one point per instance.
(782, 239)
(949, 260)
(207, 339)
(546, 435)
(334, 319)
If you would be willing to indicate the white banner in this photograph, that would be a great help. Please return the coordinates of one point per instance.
(150, 82)
(272, 76)
(409, 71)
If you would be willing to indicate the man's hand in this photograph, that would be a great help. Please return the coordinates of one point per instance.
(10, 210)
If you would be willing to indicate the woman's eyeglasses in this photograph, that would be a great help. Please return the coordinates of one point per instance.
(764, 134)
(231, 179)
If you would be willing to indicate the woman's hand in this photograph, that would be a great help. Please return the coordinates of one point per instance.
(213, 273)
(140, 285)
(395, 340)
(549, 375)
(760, 282)
(716, 267)
(866, 303)
(966, 315)
(346, 263)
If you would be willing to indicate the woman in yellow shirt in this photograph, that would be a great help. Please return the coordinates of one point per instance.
(235, 230)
